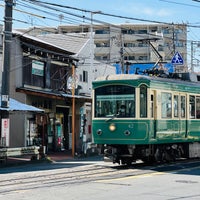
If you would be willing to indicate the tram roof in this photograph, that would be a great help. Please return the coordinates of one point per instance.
(181, 80)
(156, 78)
(122, 77)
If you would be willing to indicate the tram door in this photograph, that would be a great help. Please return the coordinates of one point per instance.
(179, 114)
(182, 115)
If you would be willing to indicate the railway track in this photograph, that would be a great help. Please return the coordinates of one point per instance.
(32, 180)
(23, 181)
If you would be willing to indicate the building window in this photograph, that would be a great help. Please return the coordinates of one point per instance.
(142, 31)
(85, 76)
(129, 45)
(142, 58)
(179, 44)
(80, 77)
(160, 48)
(102, 32)
(166, 31)
(101, 57)
(33, 73)
(102, 44)
(141, 44)
(129, 57)
(127, 31)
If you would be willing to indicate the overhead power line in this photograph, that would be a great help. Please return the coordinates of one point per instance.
(37, 2)
(53, 5)
(183, 4)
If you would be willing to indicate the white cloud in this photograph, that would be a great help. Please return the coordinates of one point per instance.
(154, 12)
(146, 10)
(164, 13)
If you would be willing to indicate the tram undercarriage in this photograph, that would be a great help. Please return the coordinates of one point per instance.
(127, 154)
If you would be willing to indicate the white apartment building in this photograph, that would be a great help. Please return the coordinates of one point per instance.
(134, 41)
(130, 40)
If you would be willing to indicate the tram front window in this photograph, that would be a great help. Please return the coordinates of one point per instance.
(115, 101)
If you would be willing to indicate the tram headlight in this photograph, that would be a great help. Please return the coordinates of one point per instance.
(112, 127)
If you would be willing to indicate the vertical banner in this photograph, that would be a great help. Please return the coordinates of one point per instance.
(5, 127)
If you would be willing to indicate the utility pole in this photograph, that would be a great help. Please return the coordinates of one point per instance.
(6, 53)
(73, 109)
(173, 39)
(7, 38)
(122, 53)
(92, 48)
(192, 56)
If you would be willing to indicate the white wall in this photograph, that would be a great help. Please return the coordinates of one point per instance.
(94, 68)
(98, 69)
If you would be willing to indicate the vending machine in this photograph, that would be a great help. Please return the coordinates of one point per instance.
(85, 127)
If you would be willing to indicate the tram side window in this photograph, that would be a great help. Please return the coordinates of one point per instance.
(192, 107)
(176, 106)
(152, 106)
(198, 107)
(183, 106)
(143, 101)
(166, 108)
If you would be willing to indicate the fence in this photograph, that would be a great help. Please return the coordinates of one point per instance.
(20, 151)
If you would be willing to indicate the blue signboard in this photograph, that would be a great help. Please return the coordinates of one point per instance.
(142, 67)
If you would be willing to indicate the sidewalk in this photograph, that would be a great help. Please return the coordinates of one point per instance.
(50, 157)
(59, 156)
(20, 160)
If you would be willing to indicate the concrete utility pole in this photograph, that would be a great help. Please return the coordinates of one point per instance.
(6, 53)
(7, 39)
(92, 48)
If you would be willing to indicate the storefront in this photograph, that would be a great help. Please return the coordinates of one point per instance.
(15, 107)
(53, 128)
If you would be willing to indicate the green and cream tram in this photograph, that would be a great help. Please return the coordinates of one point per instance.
(143, 117)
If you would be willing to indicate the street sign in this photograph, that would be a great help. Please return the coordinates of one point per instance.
(72, 82)
(5, 129)
(177, 59)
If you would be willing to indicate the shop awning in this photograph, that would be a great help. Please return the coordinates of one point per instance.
(53, 94)
(20, 107)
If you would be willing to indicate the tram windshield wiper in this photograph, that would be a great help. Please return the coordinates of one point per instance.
(111, 117)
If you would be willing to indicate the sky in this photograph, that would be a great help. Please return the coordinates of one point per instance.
(176, 11)
(29, 13)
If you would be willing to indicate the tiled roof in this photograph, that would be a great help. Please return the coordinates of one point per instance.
(72, 43)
